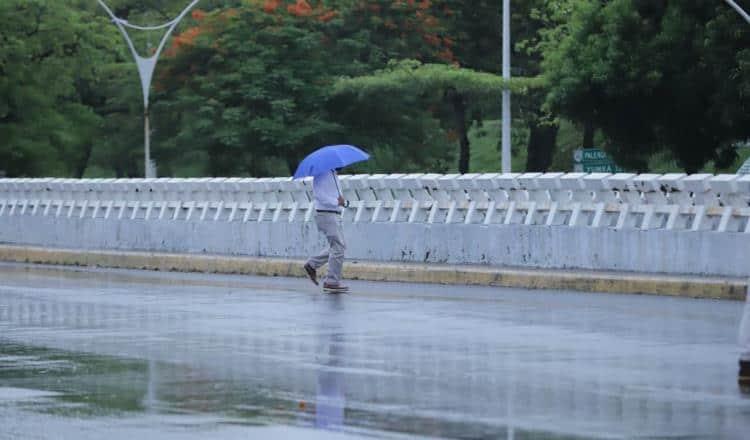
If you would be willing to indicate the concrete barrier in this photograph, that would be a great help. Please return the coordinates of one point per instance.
(554, 247)
(671, 224)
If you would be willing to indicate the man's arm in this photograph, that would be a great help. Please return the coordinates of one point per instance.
(341, 201)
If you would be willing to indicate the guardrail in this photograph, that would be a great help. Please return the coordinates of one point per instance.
(698, 202)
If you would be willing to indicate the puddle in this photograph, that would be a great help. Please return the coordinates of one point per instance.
(106, 390)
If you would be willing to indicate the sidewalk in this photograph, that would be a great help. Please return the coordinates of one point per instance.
(568, 279)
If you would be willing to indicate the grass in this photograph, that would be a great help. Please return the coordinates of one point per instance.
(484, 140)
(485, 148)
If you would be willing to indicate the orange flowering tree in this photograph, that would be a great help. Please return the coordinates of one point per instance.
(248, 90)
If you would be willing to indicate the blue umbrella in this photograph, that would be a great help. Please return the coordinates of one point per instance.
(328, 158)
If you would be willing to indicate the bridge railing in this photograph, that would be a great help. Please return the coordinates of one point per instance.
(622, 201)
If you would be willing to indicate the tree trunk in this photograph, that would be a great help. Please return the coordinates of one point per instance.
(291, 163)
(80, 167)
(588, 134)
(459, 114)
(541, 146)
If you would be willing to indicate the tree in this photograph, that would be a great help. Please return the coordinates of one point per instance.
(46, 77)
(654, 76)
(249, 88)
(246, 87)
(118, 148)
(457, 87)
(474, 30)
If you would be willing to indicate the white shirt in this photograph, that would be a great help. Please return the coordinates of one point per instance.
(326, 192)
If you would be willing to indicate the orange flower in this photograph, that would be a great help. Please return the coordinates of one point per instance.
(327, 16)
(198, 14)
(430, 21)
(446, 55)
(186, 38)
(271, 5)
(431, 39)
(301, 9)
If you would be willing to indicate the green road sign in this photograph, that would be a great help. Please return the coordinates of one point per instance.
(594, 160)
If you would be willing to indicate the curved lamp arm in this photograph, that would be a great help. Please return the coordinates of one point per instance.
(739, 10)
(146, 65)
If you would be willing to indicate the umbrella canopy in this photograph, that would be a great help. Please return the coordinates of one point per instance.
(328, 158)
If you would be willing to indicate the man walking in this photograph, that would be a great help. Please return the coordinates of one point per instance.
(328, 205)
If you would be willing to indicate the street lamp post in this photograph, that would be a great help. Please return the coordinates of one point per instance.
(146, 66)
(506, 91)
(739, 10)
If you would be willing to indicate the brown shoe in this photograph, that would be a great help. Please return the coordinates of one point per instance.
(335, 288)
(743, 378)
(312, 274)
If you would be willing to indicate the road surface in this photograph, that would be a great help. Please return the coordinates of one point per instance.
(94, 353)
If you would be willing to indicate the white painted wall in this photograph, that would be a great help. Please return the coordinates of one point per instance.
(657, 251)
(672, 223)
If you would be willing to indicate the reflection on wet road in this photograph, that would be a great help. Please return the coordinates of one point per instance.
(117, 354)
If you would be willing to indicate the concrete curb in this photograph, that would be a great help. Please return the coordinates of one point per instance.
(584, 281)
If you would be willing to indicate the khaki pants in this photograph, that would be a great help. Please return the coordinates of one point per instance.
(329, 224)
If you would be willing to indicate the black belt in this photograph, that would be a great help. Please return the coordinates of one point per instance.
(329, 212)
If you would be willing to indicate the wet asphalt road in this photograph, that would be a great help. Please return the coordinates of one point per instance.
(89, 353)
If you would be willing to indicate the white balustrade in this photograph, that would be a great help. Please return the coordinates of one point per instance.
(675, 201)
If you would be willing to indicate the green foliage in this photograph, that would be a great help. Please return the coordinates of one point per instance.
(253, 88)
(654, 76)
(248, 87)
(47, 75)
(486, 148)
(247, 94)
(413, 77)
(465, 91)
